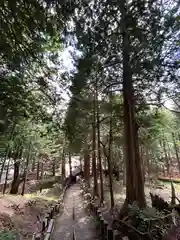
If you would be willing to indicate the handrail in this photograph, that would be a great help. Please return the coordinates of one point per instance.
(47, 225)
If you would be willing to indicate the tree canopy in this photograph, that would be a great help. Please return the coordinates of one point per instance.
(125, 67)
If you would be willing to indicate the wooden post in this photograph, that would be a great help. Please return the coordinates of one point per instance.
(96, 210)
(105, 229)
(43, 226)
(51, 214)
(98, 214)
(109, 233)
(46, 222)
(48, 218)
(102, 225)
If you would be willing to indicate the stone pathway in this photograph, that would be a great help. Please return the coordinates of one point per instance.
(84, 225)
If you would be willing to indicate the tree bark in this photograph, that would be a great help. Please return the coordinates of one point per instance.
(176, 151)
(38, 167)
(87, 166)
(110, 157)
(54, 167)
(26, 169)
(16, 180)
(142, 156)
(134, 178)
(70, 164)
(42, 170)
(80, 160)
(99, 149)
(95, 187)
(4, 162)
(33, 162)
(139, 168)
(6, 179)
(7, 151)
(168, 151)
(166, 156)
(63, 169)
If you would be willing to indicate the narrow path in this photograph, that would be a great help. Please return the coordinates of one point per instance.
(85, 226)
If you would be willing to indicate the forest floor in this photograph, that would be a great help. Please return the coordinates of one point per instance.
(83, 223)
(163, 189)
(20, 214)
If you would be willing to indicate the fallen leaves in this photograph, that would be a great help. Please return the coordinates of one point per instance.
(23, 214)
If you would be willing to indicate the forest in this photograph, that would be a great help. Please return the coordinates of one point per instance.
(113, 102)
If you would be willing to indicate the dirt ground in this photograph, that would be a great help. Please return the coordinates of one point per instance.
(75, 218)
(22, 214)
(160, 188)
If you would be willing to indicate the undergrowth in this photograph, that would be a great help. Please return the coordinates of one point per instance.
(148, 223)
(7, 236)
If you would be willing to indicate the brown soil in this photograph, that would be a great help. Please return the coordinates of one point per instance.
(22, 213)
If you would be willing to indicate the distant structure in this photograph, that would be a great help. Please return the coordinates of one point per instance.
(76, 170)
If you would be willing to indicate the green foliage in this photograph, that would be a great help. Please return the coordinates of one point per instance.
(7, 236)
(29, 55)
(148, 220)
(152, 30)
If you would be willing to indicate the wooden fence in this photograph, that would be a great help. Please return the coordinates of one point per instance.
(47, 225)
(106, 231)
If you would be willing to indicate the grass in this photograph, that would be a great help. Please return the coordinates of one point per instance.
(35, 186)
(49, 194)
(42, 197)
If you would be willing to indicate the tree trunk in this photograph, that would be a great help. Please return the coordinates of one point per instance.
(63, 168)
(124, 175)
(26, 169)
(95, 187)
(143, 161)
(70, 164)
(42, 170)
(168, 152)
(123, 167)
(166, 156)
(4, 162)
(33, 162)
(110, 158)
(6, 179)
(176, 151)
(99, 150)
(80, 160)
(87, 166)
(16, 180)
(54, 167)
(38, 167)
(134, 178)
(105, 162)
(139, 168)
(147, 160)
(7, 151)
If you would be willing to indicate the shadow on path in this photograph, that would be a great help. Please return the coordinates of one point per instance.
(84, 225)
